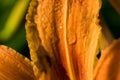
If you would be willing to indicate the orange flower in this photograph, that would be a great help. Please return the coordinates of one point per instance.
(64, 38)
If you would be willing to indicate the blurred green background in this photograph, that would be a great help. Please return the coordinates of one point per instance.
(12, 23)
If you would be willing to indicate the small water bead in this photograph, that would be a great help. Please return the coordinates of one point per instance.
(43, 18)
(60, 27)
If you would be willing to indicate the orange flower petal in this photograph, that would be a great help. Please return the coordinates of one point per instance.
(108, 67)
(63, 38)
(14, 66)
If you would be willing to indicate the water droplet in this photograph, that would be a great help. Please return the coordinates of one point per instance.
(43, 18)
(72, 39)
(60, 27)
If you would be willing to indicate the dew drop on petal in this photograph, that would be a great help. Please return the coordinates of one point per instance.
(60, 27)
